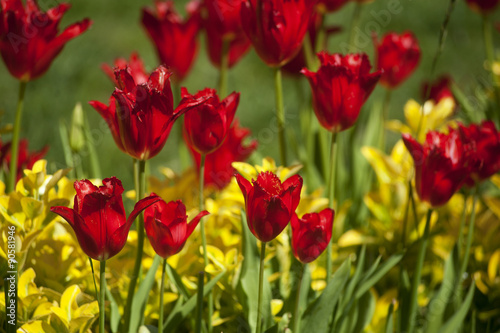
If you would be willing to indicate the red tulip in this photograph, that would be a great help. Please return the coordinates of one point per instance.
(173, 37)
(143, 116)
(25, 159)
(134, 66)
(223, 24)
(441, 165)
(167, 227)
(311, 234)
(331, 5)
(340, 88)
(438, 89)
(218, 165)
(269, 204)
(208, 123)
(98, 217)
(29, 39)
(276, 28)
(484, 152)
(398, 57)
(483, 6)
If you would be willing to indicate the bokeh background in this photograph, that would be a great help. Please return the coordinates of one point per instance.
(76, 76)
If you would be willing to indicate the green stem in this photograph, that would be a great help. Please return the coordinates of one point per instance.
(331, 197)
(470, 235)
(224, 66)
(93, 278)
(461, 228)
(261, 282)
(14, 148)
(490, 56)
(280, 114)
(140, 189)
(354, 23)
(204, 238)
(102, 299)
(385, 117)
(162, 287)
(297, 314)
(418, 273)
(199, 302)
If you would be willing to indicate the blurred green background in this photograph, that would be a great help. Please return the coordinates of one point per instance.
(75, 76)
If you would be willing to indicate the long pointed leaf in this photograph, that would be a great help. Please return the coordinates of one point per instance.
(457, 320)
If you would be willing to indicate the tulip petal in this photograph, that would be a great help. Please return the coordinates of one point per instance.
(245, 186)
(194, 222)
(141, 205)
(66, 213)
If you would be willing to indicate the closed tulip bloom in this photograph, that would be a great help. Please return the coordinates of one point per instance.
(218, 165)
(30, 39)
(140, 116)
(441, 165)
(397, 56)
(167, 227)
(311, 234)
(269, 203)
(483, 7)
(98, 217)
(134, 66)
(223, 24)
(484, 153)
(174, 38)
(276, 28)
(207, 124)
(438, 89)
(340, 87)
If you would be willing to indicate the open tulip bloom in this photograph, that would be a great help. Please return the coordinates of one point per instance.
(134, 67)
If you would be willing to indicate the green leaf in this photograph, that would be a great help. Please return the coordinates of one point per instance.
(369, 281)
(147, 329)
(177, 280)
(389, 324)
(457, 320)
(366, 309)
(316, 318)
(140, 297)
(115, 312)
(180, 312)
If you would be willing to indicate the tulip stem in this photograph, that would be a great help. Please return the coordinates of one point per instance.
(140, 189)
(204, 239)
(280, 114)
(470, 235)
(224, 66)
(354, 24)
(14, 148)
(199, 302)
(385, 115)
(93, 278)
(418, 274)
(331, 197)
(102, 299)
(258, 324)
(297, 314)
(490, 56)
(162, 287)
(462, 225)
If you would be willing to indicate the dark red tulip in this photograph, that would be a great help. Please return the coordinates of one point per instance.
(207, 124)
(269, 204)
(330, 5)
(438, 89)
(484, 152)
(483, 6)
(30, 39)
(311, 234)
(223, 24)
(276, 28)
(134, 66)
(143, 115)
(218, 165)
(98, 217)
(340, 88)
(25, 159)
(175, 39)
(167, 227)
(398, 57)
(441, 165)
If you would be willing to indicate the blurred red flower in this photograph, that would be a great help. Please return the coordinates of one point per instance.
(483, 6)
(218, 168)
(441, 165)
(340, 88)
(135, 67)
(277, 28)
(438, 89)
(29, 39)
(207, 124)
(331, 5)
(398, 57)
(269, 204)
(167, 227)
(175, 39)
(98, 217)
(311, 234)
(143, 115)
(25, 159)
